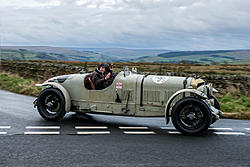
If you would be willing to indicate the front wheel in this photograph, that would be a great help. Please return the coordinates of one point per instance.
(51, 104)
(191, 116)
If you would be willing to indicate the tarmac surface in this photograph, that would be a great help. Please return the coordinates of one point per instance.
(100, 140)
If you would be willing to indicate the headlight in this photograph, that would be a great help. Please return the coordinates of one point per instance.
(202, 89)
(207, 89)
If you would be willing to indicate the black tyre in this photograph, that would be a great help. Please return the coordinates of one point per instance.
(217, 106)
(51, 104)
(191, 116)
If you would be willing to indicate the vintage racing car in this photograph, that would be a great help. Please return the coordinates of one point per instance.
(188, 101)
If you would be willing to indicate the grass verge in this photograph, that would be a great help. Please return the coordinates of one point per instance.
(235, 105)
(17, 84)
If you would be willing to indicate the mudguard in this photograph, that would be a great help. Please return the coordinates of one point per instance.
(64, 92)
(167, 107)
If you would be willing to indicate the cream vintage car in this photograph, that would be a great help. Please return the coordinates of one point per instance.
(188, 101)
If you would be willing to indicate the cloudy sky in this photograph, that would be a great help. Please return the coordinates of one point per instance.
(168, 24)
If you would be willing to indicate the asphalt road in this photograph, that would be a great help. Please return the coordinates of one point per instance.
(99, 140)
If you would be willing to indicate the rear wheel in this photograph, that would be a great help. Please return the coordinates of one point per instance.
(191, 116)
(51, 104)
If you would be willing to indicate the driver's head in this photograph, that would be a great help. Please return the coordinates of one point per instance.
(101, 68)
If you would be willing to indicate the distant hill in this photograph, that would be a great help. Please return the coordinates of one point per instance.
(124, 55)
(50, 53)
(201, 57)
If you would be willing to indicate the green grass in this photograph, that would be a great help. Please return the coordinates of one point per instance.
(17, 84)
(233, 102)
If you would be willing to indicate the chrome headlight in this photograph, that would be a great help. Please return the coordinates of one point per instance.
(202, 89)
(206, 89)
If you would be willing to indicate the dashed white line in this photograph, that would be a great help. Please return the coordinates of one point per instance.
(167, 128)
(220, 129)
(139, 132)
(94, 133)
(174, 133)
(91, 127)
(41, 133)
(247, 128)
(229, 133)
(5, 127)
(42, 127)
(130, 127)
(3, 133)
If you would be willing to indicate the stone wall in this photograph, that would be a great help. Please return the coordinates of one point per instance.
(43, 70)
(37, 70)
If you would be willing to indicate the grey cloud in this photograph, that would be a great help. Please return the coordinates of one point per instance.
(170, 24)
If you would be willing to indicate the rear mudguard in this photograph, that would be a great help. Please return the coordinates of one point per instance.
(63, 90)
(168, 105)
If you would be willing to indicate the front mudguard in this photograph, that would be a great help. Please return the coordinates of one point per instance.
(168, 105)
(62, 89)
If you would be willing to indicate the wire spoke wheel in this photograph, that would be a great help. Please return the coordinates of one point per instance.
(191, 116)
(50, 104)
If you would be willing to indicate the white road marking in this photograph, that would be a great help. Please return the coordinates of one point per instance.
(174, 133)
(3, 133)
(130, 127)
(139, 133)
(41, 133)
(247, 128)
(229, 133)
(93, 133)
(5, 127)
(91, 127)
(167, 128)
(42, 127)
(220, 129)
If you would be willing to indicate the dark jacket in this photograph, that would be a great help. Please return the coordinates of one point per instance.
(98, 79)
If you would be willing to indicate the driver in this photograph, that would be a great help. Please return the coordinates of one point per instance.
(99, 78)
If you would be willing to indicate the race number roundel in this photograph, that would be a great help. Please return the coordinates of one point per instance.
(160, 79)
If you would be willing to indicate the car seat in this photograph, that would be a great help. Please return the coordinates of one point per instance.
(88, 83)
